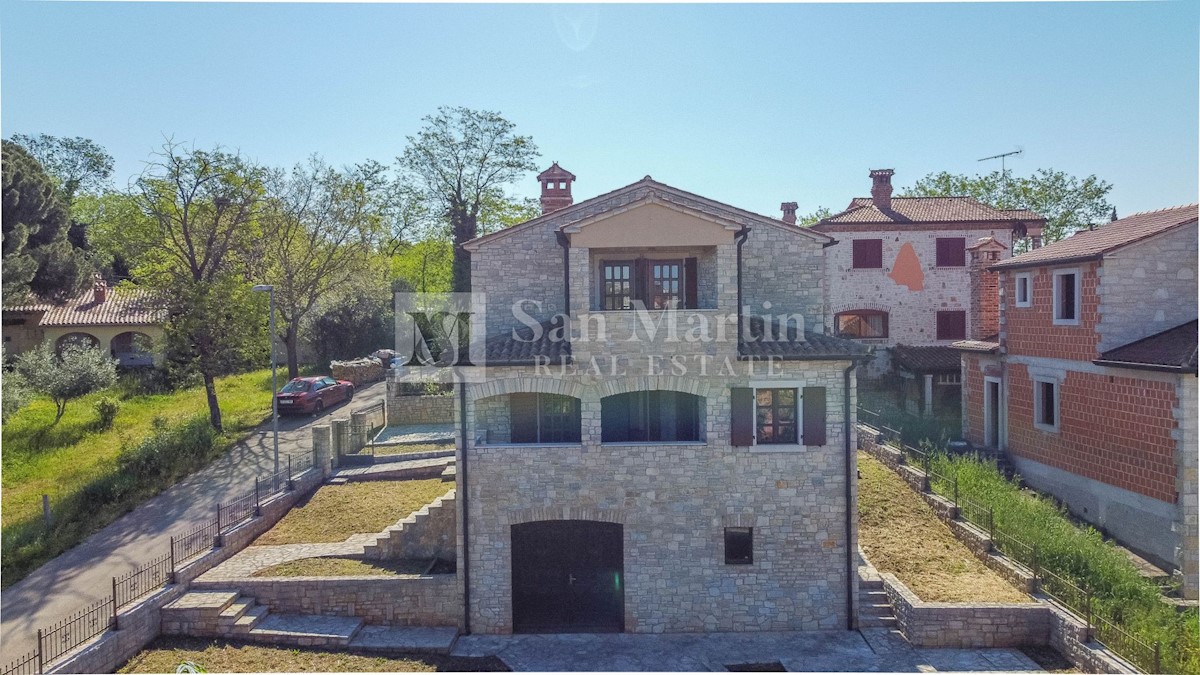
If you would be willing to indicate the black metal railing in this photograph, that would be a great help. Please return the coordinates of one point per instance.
(146, 579)
(191, 544)
(978, 514)
(75, 630)
(1144, 655)
(235, 511)
(24, 665)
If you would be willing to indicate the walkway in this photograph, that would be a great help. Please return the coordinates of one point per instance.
(84, 574)
(871, 650)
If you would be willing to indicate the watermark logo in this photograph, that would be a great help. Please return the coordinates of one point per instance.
(440, 337)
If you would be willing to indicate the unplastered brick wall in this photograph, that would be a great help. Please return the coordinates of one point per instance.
(972, 393)
(1148, 287)
(674, 501)
(1115, 428)
(431, 600)
(1030, 331)
(912, 312)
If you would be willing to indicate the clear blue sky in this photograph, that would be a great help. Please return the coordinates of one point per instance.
(748, 104)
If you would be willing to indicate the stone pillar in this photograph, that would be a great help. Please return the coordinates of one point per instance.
(341, 439)
(360, 429)
(928, 395)
(322, 443)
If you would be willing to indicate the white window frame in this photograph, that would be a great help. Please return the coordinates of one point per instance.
(1001, 408)
(1038, 381)
(1059, 274)
(1028, 279)
(780, 447)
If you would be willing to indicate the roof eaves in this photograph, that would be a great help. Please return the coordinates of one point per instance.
(1158, 367)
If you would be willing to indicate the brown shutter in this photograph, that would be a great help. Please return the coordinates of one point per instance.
(691, 298)
(813, 402)
(867, 253)
(951, 252)
(641, 281)
(522, 417)
(952, 325)
(741, 428)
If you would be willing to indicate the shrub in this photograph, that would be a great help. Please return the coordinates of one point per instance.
(106, 411)
(168, 452)
(77, 370)
(15, 394)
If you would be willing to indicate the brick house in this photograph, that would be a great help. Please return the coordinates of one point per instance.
(899, 274)
(1090, 385)
(619, 478)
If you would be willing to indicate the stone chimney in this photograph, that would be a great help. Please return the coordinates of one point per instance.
(556, 188)
(881, 188)
(789, 212)
(984, 314)
(99, 289)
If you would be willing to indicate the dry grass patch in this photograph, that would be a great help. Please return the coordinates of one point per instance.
(165, 654)
(344, 567)
(412, 448)
(334, 512)
(900, 534)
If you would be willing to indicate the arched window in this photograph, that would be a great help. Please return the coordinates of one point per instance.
(651, 417)
(862, 323)
(83, 339)
(132, 348)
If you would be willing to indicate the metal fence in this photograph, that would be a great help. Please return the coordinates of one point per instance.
(371, 419)
(1140, 653)
(78, 628)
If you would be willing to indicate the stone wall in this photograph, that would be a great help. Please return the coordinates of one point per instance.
(787, 270)
(525, 263)
(430, 600)
(428, 409)
(966, 625)
(1148, 287)
(430, 532)
(141, 622)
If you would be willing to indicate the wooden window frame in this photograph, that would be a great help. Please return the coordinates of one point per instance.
(959, 252)
(775, 407)
(860, 313)
(644, 287)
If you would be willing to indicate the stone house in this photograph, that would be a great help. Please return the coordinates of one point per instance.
(120, 320)
(899, 273)
(1090, 384)
(663, 440)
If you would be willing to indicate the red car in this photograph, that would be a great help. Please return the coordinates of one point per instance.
(305, 395)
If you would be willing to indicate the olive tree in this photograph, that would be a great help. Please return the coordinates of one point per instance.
(76, 369)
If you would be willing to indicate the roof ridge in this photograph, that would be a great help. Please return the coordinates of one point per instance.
(1162, 210)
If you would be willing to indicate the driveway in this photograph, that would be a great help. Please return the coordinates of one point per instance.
(871, 650)
(84, 574)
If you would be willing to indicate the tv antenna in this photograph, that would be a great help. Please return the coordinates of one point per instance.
(1003, 156)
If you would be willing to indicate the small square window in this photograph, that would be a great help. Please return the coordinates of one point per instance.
(1045, 404)
(1023, 290)
(739, 546)
(1066, 297)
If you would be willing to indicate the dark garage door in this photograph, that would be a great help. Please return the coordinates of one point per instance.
(568, 577)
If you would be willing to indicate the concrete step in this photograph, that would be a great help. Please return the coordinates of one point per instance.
(875, 610)
(235, 611)
(302, 630)
(870, 584)
(450, 473)
(250, 620)
(877, 622)
(410, 639)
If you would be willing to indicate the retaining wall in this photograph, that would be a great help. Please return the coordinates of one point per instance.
(963, 625)
(428, 409)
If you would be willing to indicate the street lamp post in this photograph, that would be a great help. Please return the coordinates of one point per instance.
(270, 291)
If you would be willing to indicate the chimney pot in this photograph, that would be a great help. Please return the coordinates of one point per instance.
(556, 188)
(789, 212)
(99, 289)
(881, 188)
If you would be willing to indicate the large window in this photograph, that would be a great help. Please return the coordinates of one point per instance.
(862, 323)
(952, 325)
(868, 253)
(651, 417)
(1066, 297)
(543, 418)
(951, 252)
(1045, 404)
(775, 416)
(658, 284)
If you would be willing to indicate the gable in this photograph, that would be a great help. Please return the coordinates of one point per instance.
(650, 223)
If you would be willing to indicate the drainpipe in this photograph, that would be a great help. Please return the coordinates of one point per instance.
(850, 506)
(565, 243)
(740, 238)
(466, 507)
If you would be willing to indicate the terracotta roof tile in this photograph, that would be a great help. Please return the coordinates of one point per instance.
(925, 210)
(814, 346)
(503, 349)
(1091, 244)
(935, 359)
(123, 307)
(988, 345)
(1173, 349)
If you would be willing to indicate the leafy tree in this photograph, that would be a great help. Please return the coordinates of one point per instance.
(37, 255)
(813, 218)
(424, 266)
(197, 242)
(15, 394)
(461, 159)
(356, 320)
(77, 370)
(322, 223)
(77, 164)
(1068, 203)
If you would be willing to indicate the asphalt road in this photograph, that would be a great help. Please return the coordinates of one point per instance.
(84, 574)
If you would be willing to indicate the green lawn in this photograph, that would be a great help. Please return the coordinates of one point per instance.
(62, 460)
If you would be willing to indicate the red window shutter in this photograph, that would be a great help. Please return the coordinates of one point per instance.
(951, 252)
(691, 296)
(868, 253)
(741, 431)
(812, 401)
(522, 417)
(952, 325)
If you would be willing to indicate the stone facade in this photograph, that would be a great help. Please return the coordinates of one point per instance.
(1147, 288)
(429, 532)
(429, 409)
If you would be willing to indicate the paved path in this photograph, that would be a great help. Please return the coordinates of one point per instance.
(84, 574)
(871, 650)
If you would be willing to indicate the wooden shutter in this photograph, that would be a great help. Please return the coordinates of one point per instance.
(522, 417)
(951, 252)
(691, 297)
(868, 253)
(952, 325)
(812, 400)
(741, 428)
(641, 281)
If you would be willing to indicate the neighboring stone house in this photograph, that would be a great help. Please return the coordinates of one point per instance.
(899, 272)
(677, 476)
(1090, 386)
(120, 320)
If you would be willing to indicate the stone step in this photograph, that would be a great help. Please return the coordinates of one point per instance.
(870, 584)
(877, 622)
(410, 639)
(250, 620)
(875, 610)
(235, 611)
(303, 630)
(450, 473)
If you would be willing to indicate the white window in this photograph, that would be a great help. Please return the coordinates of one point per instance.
(1045, 404)
(1024, 289)
(1066, 297)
